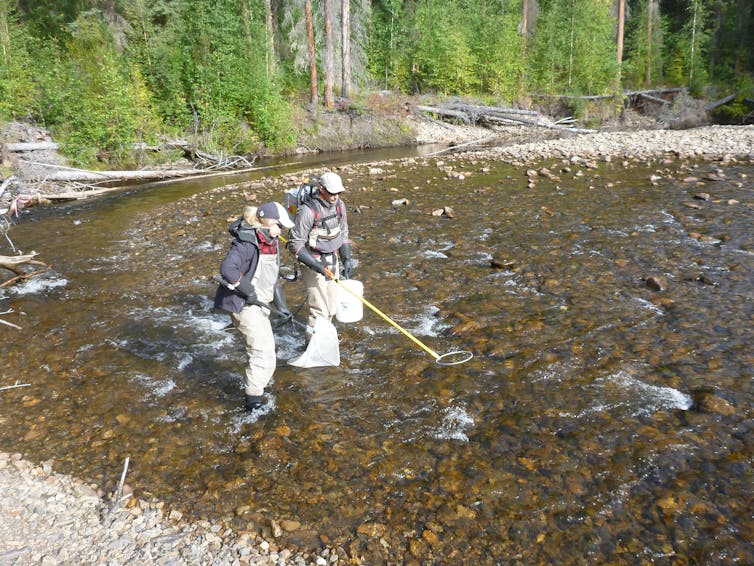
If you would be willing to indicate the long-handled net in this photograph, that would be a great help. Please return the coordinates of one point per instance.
(449, 359)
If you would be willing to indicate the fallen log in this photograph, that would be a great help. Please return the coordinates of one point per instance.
(626, 94)
(653, 98)
(445, 112)
(721, 102)
(465, 144)
(655, 91)
(541, 125)
(432, 120)
(46, 198)
(61, 173)
(32, 146)
(479, 110)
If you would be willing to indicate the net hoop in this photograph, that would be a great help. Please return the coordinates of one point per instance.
(454, 358)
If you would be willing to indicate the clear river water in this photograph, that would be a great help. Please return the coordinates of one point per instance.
(605, 417)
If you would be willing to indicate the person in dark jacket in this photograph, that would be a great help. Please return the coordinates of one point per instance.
(319, 240)
(250, 270)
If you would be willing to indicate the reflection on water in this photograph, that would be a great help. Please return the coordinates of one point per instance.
(599, 421)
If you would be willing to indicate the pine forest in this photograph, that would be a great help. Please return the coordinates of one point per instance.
(103, 75)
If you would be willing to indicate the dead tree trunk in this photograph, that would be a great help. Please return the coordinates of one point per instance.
(270, 30)
(346, 38)
(61, 173)
(621, 26)
(32, 146)
(329, 55)
(463, 116)
(312, 54)
(721, 102)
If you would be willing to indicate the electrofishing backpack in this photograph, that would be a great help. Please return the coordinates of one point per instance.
(305, 192)
(297, 196)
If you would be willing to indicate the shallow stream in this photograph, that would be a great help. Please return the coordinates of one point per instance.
(605, 417)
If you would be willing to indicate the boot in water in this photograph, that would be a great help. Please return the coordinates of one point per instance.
(254, 402)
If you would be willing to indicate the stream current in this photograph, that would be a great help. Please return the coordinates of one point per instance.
(600, 420)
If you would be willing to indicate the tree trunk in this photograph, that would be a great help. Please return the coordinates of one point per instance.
(32, 146)
(693, 42)
(4, 32)
(312, 53)
(743, 39)
(346, 38)
(571, 44)
(621, 27)
(329, 55)
(246, 15)
(69, 175)
(650, 18)
(271, 63)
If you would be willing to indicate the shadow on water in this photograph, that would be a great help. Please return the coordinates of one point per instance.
(599, 420)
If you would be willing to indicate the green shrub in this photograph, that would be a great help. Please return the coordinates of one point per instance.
(18, 95)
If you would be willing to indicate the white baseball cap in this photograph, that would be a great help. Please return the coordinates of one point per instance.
(332, 182)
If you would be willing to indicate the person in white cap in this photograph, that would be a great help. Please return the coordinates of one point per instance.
(319, 239)
(250, 271)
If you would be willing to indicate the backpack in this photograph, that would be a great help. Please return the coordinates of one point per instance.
(302, 194)
(297, 196)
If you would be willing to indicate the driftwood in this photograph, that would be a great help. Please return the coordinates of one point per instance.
(222, 162)
(721, 102)
(17, 384)
(32, 146)
(493, 110)
(654, 98)
(46, 198)
(539, 125)
(12, 263)
(435, 121)
(627, 94)
(463, 116)
(472, 114)
(69, 174)
(465, 144)
(43, 198)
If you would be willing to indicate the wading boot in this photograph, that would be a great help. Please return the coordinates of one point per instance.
(254, 402)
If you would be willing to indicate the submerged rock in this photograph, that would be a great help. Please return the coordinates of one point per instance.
(656, 283)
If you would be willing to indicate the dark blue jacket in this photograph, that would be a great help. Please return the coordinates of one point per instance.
(241, 260)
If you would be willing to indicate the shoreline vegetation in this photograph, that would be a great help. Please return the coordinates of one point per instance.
(51, 518)
(34, 171)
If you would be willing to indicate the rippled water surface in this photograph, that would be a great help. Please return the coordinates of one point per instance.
(600, 420)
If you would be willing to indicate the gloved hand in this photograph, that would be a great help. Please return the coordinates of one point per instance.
(280, 304)
(305, 257)
(345, 260)
(246, 289)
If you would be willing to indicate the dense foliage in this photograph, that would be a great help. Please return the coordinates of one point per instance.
(104, 74)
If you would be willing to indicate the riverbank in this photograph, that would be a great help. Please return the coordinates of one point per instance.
(50, 518)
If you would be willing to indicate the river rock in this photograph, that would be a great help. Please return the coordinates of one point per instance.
(694, 205)
(706, 402)
(656, 283)
(502, 263)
